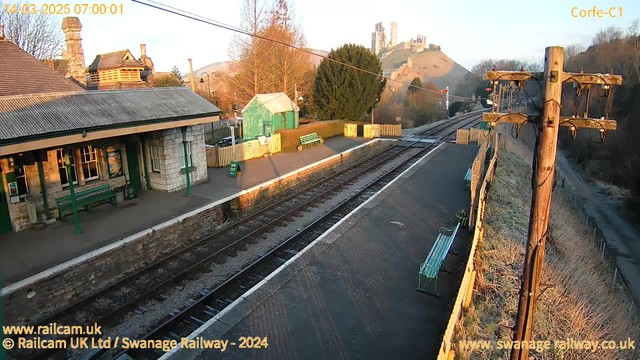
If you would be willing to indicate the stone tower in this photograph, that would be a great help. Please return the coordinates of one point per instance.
(74, 55)
(394, 34)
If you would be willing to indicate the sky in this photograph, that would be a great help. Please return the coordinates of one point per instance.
(467, 31)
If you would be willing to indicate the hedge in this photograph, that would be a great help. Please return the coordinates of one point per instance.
(325, 129)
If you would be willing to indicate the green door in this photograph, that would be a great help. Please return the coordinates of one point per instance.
(134, 166)
(5, 220)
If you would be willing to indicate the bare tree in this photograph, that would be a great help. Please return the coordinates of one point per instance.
(38, 34)
(267, 66)
(610, 34)
(249, 52)
(634, 28)
(571, 51)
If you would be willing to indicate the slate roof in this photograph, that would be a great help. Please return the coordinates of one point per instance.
(275, 102)
(46, 115)
(61, 66)
(113, 60)
(21, 73)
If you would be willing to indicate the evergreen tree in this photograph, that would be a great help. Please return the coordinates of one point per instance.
(341, 92)
(176, 72)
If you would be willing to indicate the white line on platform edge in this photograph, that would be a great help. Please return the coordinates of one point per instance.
(242, 297)
(126, 240)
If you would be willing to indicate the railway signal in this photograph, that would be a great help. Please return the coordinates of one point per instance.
(548, 122)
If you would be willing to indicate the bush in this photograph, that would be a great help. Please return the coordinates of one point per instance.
(325, 129)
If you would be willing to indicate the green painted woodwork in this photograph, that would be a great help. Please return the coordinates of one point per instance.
(309, 139)
(134, 166)
(257, 121)
(430, 269)
(467, 179)
(85, 199)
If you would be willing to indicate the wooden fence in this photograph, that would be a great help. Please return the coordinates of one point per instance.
(377, 130)
(465, 292)
(462, 136)
(390, 129)
(223, 156)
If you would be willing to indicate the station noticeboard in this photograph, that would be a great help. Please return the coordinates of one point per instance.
(234, 169)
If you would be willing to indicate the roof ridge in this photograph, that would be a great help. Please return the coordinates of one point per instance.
(114, 52)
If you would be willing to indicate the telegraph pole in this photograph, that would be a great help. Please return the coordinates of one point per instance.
(544, 172)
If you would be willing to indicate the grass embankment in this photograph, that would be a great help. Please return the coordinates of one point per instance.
(583, 303)
(325, 129)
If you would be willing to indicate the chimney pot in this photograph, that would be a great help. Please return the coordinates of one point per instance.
(1, 32)
(143, 50)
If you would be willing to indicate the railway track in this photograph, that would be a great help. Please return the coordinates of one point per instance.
(109, 306)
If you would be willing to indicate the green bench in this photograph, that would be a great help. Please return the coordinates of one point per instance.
(84, 199)
(310, 139)
(467, 179)
(430, 268)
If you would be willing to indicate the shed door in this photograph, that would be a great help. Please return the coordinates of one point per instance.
(5, 219)
(268, 129)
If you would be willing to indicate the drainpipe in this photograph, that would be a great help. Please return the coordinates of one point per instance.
(74, 204)
(144, 163)
(186, 157)
(43, 191)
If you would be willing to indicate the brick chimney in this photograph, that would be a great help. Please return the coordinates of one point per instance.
(74, 54)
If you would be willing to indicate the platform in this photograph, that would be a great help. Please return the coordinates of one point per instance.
(352, 293)
(29, 252)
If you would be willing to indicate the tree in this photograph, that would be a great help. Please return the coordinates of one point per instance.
(166, 80)
(266, 66)
(610, 34)
(571, 51)
(38, 34)
(341, 92)
(176, 72)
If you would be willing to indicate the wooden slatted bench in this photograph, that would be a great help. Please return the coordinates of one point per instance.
(310, 139)
(86, 199)
(431, 267)
(467, 179)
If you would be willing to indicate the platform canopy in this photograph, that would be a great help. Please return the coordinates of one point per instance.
(29, 122)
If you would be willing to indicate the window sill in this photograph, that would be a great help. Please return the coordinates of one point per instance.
(191, 169)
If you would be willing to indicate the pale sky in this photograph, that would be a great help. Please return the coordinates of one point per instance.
(468, 31)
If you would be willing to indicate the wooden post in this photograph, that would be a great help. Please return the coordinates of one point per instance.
(541, 199)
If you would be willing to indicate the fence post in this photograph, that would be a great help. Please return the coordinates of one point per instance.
(604, 245)
(615, 274)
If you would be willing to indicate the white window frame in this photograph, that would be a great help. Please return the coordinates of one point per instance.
(154, 151)
(60, 159)
(181, 153)
(92, 155)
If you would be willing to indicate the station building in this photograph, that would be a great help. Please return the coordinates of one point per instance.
(133, 138)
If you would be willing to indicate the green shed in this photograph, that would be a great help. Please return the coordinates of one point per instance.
(267, 113)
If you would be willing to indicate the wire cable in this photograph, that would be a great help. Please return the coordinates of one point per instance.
(202, 19)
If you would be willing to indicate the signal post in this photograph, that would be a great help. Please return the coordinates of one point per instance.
(548, 123)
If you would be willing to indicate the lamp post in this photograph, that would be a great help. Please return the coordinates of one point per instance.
(208, 82)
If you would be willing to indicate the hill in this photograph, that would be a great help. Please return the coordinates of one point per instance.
(428, 65)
